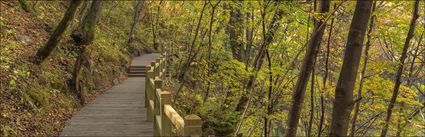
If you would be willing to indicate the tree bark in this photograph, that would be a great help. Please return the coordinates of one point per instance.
(310, 121)
(235, 31)
(83, 36)
(54, 39)
(249, 32)
(306, 68)
(343, 102)
(363, 72)
(136, 16)
(403, 57)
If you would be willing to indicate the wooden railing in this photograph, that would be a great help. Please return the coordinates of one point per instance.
(160, 111)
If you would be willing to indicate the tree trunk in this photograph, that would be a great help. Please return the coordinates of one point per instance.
(136, 16)
(310, 121)
(235, 30)
(363, 72)
(83, 36)
(269, 97)
(306, 68)
(259, 59)
(249, 32)
(343, 102)
(54, 39)
(325, 78)
(209, 50)
(190, 57)
(400, 68)
(409, 80)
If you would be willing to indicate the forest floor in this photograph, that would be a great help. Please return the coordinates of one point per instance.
(35, 100)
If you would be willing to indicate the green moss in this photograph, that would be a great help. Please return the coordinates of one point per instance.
(40, 97)
(54, 81)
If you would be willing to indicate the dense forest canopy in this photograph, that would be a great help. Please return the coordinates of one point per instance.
(247, 68)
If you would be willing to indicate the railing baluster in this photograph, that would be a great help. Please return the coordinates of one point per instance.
(165, 121)
(149, 93)
(148, 68)
(158, 69)
(158, 85)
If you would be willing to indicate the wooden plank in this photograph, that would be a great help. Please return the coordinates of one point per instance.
(119, 111)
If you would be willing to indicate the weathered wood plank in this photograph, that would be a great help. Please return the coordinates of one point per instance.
(119, 111)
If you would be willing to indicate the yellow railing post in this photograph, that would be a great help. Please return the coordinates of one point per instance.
(153, 68)
(160, 66)
(163, 67)
(149, 90)
(166, 125)
(192, 126)
(156, 127)
(148, 67)
(157, 68)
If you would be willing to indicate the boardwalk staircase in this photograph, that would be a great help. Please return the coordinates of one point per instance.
(138, 106)
(137, 71)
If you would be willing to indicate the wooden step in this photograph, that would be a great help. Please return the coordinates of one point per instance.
(137, 69)
(137, 72)
(137, 66)
(136, 75)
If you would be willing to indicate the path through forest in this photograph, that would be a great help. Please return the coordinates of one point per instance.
(120, 111)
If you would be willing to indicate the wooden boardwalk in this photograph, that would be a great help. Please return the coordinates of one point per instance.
(120, 111)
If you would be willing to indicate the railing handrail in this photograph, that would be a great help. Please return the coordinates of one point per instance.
(160, 111)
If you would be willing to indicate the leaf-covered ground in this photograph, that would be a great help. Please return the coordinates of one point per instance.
(35, 100)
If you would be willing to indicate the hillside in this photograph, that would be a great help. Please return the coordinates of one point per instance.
(237, 68)
(35, 99)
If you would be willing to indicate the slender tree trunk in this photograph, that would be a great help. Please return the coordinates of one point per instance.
(269, 97)
(55, 37)
(306, 68)
(409, 80)
(249, 32)
(83, 36)
(268, 37)
(136, 16)
(403, 57)
(152, 20)
(190, 57)
(325, 78)
(343, 102)
(154, 26)
(76, 74)
(209, 49)
(259, 59)
(363, 72)
(235, 30)
(310, 121)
